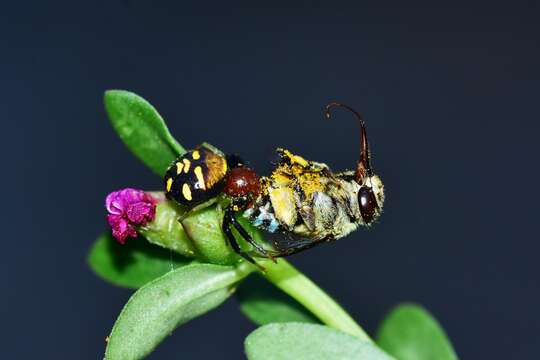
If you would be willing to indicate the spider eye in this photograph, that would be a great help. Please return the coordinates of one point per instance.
(368, 204)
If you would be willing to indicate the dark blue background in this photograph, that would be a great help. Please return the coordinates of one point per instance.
(450, 93)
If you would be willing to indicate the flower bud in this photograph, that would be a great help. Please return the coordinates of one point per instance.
(129, 208)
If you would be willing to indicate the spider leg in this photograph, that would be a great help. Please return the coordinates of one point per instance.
(227, 222)
(262, 251)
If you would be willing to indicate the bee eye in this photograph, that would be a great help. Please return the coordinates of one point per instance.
(368, 204)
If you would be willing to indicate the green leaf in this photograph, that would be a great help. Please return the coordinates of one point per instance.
(166, 231)
(203, 227)
(142, 129)
(131, 265)
(157, 308)
(263, 303)
(301, 341)
(410, 333)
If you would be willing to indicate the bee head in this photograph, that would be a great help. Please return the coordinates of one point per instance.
(371, 192)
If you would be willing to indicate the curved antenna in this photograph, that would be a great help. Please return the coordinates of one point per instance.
(364, 164)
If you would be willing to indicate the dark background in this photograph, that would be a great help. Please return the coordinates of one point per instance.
(450, 93)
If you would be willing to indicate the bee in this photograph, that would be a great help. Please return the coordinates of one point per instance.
(301, 198)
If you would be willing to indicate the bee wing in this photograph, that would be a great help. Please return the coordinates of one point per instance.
(290, 244)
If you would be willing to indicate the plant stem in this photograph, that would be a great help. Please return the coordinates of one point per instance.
(286, 277)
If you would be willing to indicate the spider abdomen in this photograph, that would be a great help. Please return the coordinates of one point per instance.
(195, 176)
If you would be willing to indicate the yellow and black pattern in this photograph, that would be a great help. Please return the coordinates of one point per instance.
(195, 176)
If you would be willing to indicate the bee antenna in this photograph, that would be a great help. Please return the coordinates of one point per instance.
(364, 164)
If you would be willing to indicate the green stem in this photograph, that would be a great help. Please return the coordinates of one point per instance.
(306, 292)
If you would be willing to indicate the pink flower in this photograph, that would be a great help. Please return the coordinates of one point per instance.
(127, 209)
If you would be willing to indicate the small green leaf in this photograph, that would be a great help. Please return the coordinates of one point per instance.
(410, 333)
(131, 265)
(166, 231)
(203, 227)
(142, 129)
(159, 307)
(263, 303)
(301, 341)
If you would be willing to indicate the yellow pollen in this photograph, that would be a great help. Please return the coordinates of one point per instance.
(200, 177)
(186, 191)
(179, 167)
(196, 155)
(169, 184)
(187, 164)
(295, 159)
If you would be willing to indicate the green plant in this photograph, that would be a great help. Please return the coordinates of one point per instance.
(183, 271)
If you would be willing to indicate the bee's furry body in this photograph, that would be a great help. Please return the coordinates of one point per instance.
(306, 199)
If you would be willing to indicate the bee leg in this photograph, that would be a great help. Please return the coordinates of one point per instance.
(262, 251)
(227, 222)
